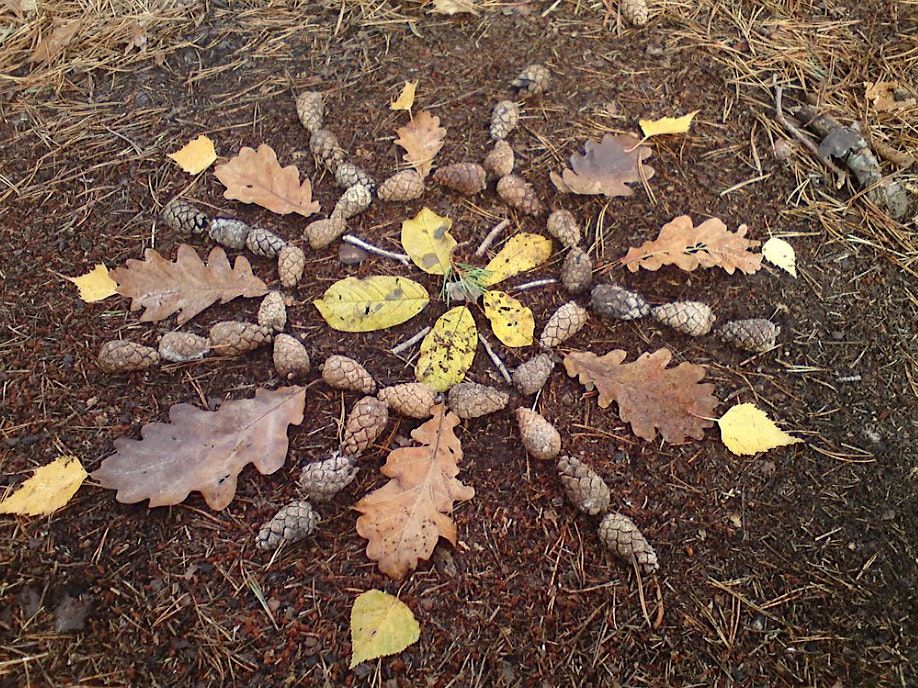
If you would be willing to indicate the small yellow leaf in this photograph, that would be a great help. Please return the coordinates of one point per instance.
(778, 252)
(427, 240)
(448, 350)
(405, 99)
(745, 429)
(50, 488)
(452, 7)
(667, 125)
(371, 303)
(521, 253)
(511, 321)
(95, 285)
(381, 625)
(196, 155)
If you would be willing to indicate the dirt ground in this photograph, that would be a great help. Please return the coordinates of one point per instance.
(794, 568)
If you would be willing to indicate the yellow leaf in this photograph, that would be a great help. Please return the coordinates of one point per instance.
(452, 7)
(667, 125)
(50, 488)
(745, 429)
(381, 625)
(406, 98)
(511, 321)
(196, 155)
(448, 350)
(521, 253)
(95, 285)
(371, 303)
(779, 252)
(427, 240)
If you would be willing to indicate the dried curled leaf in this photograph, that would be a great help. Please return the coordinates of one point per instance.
(448, 350)
(606, 167)
(371, 303)
(422, 138)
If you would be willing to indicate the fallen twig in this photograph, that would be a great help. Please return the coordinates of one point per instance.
(491, 237)
(410, 342)
(535, 284)
(370, 248)
(495, 359)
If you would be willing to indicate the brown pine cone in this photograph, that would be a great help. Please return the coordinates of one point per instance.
(635, 11)
(291, 262)
(342, 372)
(321, 233)
(563, 226)
(533, 80)
(182, 347)
(353, 201)
(619, 534)
(613, 301)
(263, 242)
(465, 177)
(229, 232)
(231, 337)
(470, 400)
(539, 436)
(504, 119)
(530, 377)
(272, 313)
(184, 218)
(290, 358)
(119, 356)
(310, 108)
(412, 399)
(322, 480)
(499, 162)
(291, 524)
(567, 321)
(691, 317)
(754, 334)
(583, 486)
(365, 423)
(518, 193)
(348, 174)
(577, 271)
(324, 146)
(406, 185)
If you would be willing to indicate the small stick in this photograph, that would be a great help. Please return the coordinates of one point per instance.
(536, 284)
(410, 342)
(495, 359)
(491, 237)
(370, 248)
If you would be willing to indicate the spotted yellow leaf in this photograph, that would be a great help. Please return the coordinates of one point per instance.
(427, 240)
(49, 488)
(196, 155)
(381, 625)
(405, 99)
(746, 429)
(448, 350)
(667, 125)
(371, 303)
(511, 321)
(521, 253)
(95, 285)
(780, 253)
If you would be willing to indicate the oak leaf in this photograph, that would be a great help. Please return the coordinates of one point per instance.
(187, 286)
(606, 167)
(203, 450)
(404, 518)
(54, 43)
(422, 138)
(650, 396)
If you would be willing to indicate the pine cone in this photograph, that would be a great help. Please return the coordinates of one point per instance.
(231, 337)
(291, 524)
(518, 193)
(348, 174)
(533, 80)
(504, 119)
(539, 436)
(342, 372)
(265, 243)
(291, 262)
(324, 145)
(754, 334)
(465, 177)
(577, 271)
(181, 347)
(406, 185)
(184, 218)
(365, 423)
(290, 358)
(499, 162)
(583, 486)
(564, 324)
(322, 480)
(470, 400)
(229, 232)
(119, 356)
(619, 534)
(613, 301)
(691, 317)
(563, 226)
(352, 202)
(321, 233)
(310, 108)
(412, 399)
(531, 376)
(272, 313)
(635, 11)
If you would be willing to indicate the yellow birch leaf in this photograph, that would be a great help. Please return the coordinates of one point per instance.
(196, 155)
(778, 252)
(381, 625)
(95, 285)
(511, 321)
(371, 303)
(406, 98)
(746, 429)
(448, 350)
(50, 488)
(426, 238)
(521, 253)
(667, 125)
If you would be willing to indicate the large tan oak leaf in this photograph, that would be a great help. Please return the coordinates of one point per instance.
(405, 517)
(187, 286)
(422, 138)
(650, 396)
(606, 167)
(203, 450)
(257, 177)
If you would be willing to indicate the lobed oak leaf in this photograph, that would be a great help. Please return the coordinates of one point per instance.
(606, 167)
(422, 138)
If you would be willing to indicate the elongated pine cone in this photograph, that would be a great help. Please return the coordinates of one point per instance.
(613, 301)
(540, 438)
(365, 423)
(349, 174)
(412, 399)
(321, 233)
(567, 321)
(691, 317)
(406, 185)
(322, 480)
(231, 337)
(583, 486)
(181, 347)
(533, 80)
(184, 218)
(119, 356)
(504, 119)
(353, 201)
(291, 262)
(342, 372)
(635, 11)
(465, 177)
(577, 271)
(263, 242)
(471, 400)
(619, 534)
(530, 377)
(518, 193)
(229, 232)
(563, 226)
(291, 361)
(499, 162)
(272, 313)
(754, 334)
(310, 108)
(324, 146)
(292, 523)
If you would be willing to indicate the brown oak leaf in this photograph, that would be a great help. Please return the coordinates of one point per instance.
(422, 138)
(203, 450)
(187, 286)
(257, 177)
(404, 518)
(650, 396)
(606, 167)
(708, 245)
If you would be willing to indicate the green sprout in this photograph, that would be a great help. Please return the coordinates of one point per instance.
(464, 282)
